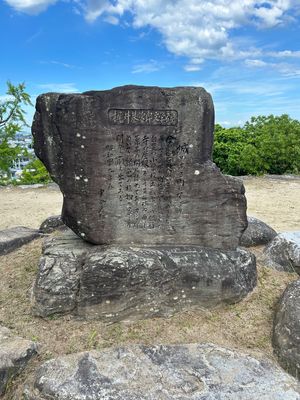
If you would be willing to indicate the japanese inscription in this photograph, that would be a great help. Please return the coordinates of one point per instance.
(143, 117)
(142, 167)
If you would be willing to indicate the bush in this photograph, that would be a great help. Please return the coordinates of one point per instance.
(34, 172)
(264, 145)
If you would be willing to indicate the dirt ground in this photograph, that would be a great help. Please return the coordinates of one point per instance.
(275, 200)
(245, 326)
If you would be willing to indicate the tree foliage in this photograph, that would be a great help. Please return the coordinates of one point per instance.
(264, 145)
(12, 120)
(34, 172)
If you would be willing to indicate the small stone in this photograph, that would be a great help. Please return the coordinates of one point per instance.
(185, 372)
(283, 253)
(13, 238)
(286, 329)
(257, 233)
(15, 353)
(51, 224)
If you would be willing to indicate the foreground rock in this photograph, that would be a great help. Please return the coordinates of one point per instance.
(13, 238)
(129, 282)
(283, 253)
(286, 330)
(257, 233)
(134, 165)
(187, 372)
(52, 224)
(15, 353)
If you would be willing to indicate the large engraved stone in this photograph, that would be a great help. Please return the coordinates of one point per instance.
(134, 165)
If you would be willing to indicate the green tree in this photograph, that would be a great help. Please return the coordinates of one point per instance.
(265, 144)
(34, 172)
(12, 120)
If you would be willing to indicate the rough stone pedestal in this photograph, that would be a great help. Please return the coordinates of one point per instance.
(126, 282)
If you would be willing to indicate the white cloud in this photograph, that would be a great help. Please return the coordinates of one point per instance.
(255, 63)
(59, 87)
(201, 29)
(284, 54)
(192, 68)
(30, 6)
(285, 69)
(60, 64)
(195, 29)
(151, 66)
(111, 20)
(5, 97)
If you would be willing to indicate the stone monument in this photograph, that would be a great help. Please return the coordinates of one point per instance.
(134, 166)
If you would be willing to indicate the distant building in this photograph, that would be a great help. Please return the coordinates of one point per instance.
(23, 140)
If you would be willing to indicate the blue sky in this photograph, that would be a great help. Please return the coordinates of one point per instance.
(246, 53)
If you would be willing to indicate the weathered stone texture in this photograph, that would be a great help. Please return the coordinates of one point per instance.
(257, 233)
(15, 353)
(286, 329)
(13, 238)
(127, 282)
(283, 252)
(52, 224)
(186, 372)
(134, 165)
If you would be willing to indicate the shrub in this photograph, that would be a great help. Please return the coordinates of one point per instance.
(265, 144)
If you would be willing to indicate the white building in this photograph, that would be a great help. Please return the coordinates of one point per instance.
(23, 140)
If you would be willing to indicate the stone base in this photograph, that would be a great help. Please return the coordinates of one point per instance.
(114, 283)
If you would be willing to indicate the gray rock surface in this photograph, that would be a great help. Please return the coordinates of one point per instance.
(257, 233)
(130, 282)
(286, 329)
(52, 224)
(134, 165)
(186, 372)
(13, 238)
(283, 252)
(15, 353)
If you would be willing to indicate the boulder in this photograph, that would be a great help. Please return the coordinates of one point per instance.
(286, 329)
(15, 353)
(13, 238)
(130, 282)
(257, 233)
(283, 252)
(134, 166)
(185, 372)
(52, 224)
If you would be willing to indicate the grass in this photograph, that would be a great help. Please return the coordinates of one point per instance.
(244, 326)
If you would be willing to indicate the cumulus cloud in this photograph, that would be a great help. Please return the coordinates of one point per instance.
(30, 6)
(197, 30)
